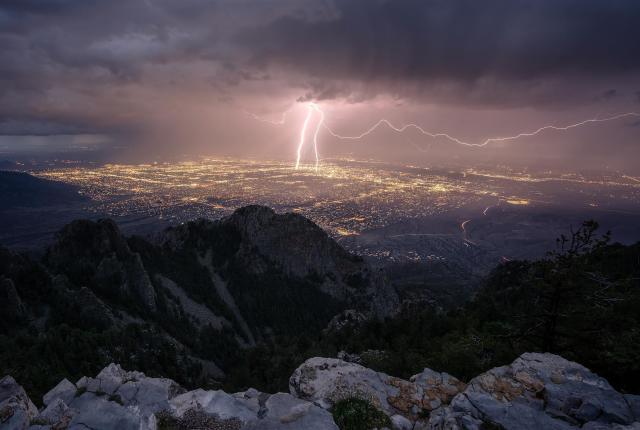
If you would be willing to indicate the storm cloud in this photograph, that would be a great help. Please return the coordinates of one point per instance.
(125, 66)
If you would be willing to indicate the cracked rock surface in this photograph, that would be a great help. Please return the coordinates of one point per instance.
(16, 409)
(536, 391)
(117, 399)
(326, 381)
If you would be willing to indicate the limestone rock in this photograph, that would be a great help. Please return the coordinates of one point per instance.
(401, 423)
(325, 381)
(98, 411)
(250, 410)
(439, 388)
(16, 409)
(218, 403)
(118, 399)
(57, 413)
(536, 391)
(65, 391)
(283, 411)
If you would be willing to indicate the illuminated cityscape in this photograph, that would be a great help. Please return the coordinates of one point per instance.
(344, 197)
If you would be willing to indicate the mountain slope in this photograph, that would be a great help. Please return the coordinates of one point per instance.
(197, 294)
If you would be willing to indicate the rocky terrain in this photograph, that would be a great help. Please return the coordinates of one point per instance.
(536, 391)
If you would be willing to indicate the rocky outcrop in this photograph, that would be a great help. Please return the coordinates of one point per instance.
(16, 409)
(326, 381)
(117, 399)
(537, 391)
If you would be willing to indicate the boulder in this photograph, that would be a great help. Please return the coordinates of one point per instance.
(97, 411)
(65, 391)
(536, 391)
(438, 388)
(283, 411)
(114, 399)
(215, 403)
(326, 381)
(56, 413)
(250, 410)
(16, 409)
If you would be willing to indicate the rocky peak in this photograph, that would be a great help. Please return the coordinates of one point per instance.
(95, 254)
(303, 249)
(258, 239)
(90, 239)
(293, 241)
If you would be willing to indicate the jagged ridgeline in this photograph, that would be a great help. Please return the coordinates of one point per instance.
(183, 304)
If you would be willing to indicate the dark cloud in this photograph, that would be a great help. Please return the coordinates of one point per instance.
(96, 64)
(458, 41)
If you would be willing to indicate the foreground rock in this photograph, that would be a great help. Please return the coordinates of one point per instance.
(326, 381)
(538, 391)
(117, 399)
(16, 409)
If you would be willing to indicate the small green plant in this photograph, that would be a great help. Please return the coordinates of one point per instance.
(358, 414)
(80, 391)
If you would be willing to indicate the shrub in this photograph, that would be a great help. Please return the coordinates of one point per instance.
(358, 414)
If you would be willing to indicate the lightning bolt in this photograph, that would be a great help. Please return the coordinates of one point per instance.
(482, 144)
(313, 107)
(303, 133)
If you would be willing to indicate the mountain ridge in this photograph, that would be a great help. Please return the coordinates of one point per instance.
(202, 291)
